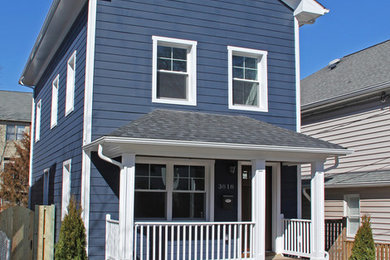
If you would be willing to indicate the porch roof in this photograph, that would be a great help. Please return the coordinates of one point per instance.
(204, 130)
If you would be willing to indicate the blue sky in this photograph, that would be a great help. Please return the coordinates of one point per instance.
(350, 26)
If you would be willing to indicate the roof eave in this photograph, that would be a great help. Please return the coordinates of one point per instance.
(346, 98)
(293, 153)
(58, 22)
(308, 11)
(357, 185)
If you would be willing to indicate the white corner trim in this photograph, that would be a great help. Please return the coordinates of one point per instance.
(297, 75)
(191, 70)
(32, 128)
(262, 70)
(87, 124)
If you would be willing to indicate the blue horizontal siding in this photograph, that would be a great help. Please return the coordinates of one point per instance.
(64, 141)
(123, 68)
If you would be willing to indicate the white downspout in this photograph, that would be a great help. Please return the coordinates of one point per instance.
(108, 159)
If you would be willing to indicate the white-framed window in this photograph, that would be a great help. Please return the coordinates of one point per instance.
(352, 213)
(14, 132)
(38, 120)
(66, 186)
(174, 71)
(174, 189)
(54, 101)
(248, 83)
(70, 84)
(46, 179)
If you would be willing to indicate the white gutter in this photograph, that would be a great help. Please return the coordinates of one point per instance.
(358, 185)
(251, 147)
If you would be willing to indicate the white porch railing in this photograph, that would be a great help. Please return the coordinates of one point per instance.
(112, 238)
(185, 240)
(296, 237)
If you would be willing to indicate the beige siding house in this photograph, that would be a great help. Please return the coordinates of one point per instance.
(348, 103)
(15, 118)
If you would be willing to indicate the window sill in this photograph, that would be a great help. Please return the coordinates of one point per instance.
(248, 108)
(174, 101)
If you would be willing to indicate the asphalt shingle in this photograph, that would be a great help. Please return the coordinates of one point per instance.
(205, 127)
(357, 71)
(15, 106)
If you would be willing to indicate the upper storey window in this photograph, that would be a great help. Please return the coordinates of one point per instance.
(70, 84)
(248, 79)
(174, 71)
(54, 101)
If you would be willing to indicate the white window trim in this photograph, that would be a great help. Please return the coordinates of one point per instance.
(346, 198)
(209, 182)
(261, 55)
(54, 101)
(38, 121)
(191, 69)
(46, 179)
(66, 186)
(70, 84)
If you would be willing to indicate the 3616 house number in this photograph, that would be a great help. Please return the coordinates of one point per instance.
(225, 186)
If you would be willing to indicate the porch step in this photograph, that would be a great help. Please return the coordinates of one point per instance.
(272, 256)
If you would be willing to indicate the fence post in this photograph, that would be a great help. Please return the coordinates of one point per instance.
(44, 232)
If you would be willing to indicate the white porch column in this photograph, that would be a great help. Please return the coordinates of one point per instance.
(277, 232)
(126, 207)
(258, 207)
(317, 211)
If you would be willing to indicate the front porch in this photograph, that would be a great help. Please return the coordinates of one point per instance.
(204, 186)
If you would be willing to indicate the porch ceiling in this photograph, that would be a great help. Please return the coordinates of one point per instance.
(203, 135)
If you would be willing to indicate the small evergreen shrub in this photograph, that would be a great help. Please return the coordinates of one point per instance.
(72, 240)
(363, 246)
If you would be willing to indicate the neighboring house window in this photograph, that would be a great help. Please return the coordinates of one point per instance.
(70, 84)
(54, 101)
(38, 121)
(46, 179)
(248, 84)
(15, 132)
(174, 71)
(66, 181)
(352, 212)
(176, 190)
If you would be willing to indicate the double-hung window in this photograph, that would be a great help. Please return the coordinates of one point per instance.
(247, 79)
(352, 212)
(70, 84)
(54, 101)
(174, 71)
(66, 186)
(172, 190)
(15, 132)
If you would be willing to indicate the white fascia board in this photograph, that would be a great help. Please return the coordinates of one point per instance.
(117, 144)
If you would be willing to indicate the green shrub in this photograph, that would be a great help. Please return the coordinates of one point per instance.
(72, 240)
(363, 246)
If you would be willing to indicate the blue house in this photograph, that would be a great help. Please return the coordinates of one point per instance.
(175, 124)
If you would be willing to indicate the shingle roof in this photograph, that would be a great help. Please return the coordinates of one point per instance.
(356, 178)
(204, 127)
(15, 106)
(355, 72)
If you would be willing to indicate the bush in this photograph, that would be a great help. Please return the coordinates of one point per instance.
(363, 246)
(72, 241)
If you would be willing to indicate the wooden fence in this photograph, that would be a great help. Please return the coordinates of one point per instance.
(339, 247)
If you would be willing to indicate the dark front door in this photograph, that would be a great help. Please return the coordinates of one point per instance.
(246, 201)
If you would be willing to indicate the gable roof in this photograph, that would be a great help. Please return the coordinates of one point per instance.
(360, 73)
(215, 128)
(15, 106)
(63, 13)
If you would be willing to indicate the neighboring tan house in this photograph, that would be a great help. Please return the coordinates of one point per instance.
(179, 119)
(348, 103)
(15, 118)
